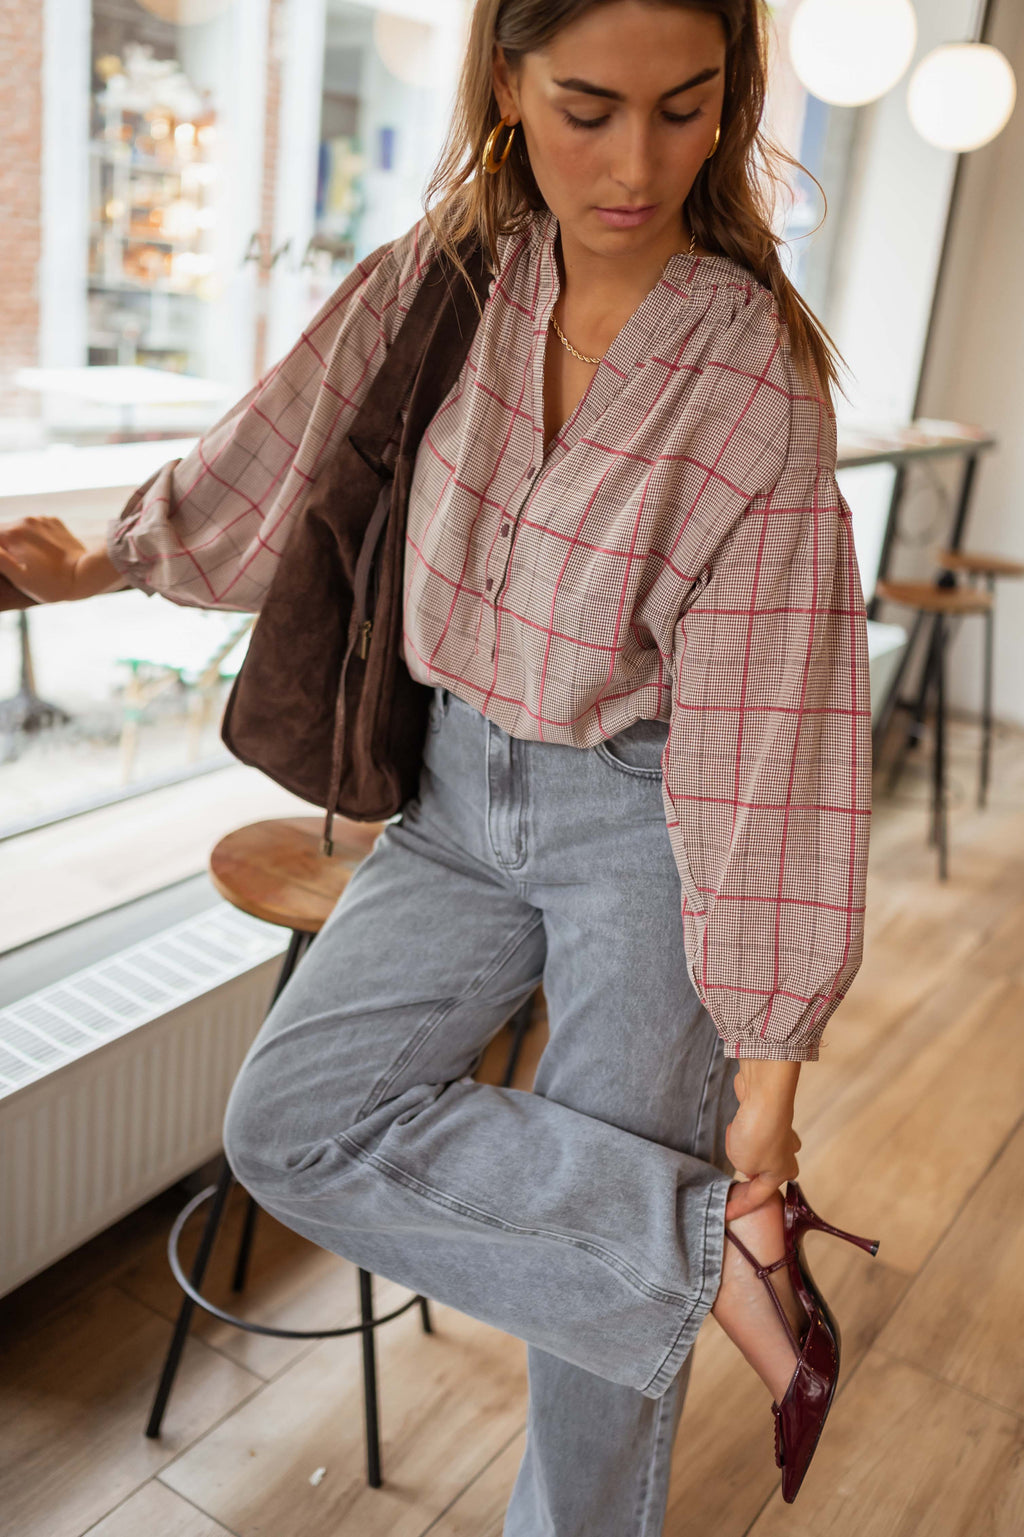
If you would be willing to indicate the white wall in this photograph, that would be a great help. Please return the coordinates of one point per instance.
(888, 242)
(976, 373)
(893, 221)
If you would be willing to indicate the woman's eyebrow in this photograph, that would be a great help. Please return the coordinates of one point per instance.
(575, 84)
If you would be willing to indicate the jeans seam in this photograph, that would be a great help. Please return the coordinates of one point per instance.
(430, 1024)
(523, 788)
(679, 1333)
(712, 1058)
(452, 1203)
(663, 1413)
(506, 865)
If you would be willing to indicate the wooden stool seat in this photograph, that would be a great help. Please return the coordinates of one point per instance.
(977, 563)
(274, 869)
(935, 600)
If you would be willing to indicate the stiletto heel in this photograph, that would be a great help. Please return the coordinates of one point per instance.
(805, 1217)
(801, 1415)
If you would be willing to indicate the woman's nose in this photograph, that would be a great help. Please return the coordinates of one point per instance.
(633, 161)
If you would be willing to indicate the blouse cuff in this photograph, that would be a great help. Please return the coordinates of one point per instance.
(770, 1051)
(120, 546)
(122, 560)
(791, 1037)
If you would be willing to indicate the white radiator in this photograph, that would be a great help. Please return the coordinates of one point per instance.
(113, 1081)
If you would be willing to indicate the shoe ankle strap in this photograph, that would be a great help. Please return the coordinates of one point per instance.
(764, 1271)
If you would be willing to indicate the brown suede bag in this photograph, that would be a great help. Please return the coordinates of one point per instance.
(324, 703)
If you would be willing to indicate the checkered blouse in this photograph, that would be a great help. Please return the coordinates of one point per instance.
(681, 551)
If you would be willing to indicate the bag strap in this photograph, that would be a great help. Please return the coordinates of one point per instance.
(428, 383)
(427, 332)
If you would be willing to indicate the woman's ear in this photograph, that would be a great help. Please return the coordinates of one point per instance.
(502, 84)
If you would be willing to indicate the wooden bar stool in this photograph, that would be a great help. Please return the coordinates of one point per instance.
(942, 603)
(275, 870)
(976, 565)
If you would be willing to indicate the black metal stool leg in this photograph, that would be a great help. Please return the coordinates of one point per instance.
(240, 1276)
(298, 943)
(187, 1305)
(986, 707)
(297, 946)
(913, 728)
(940, 748)
(370, 1381)
(931, 703)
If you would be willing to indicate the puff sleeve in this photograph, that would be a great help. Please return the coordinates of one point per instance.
(207, 530)
(767, 771)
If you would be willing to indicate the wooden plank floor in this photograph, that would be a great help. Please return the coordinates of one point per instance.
(912, 1130)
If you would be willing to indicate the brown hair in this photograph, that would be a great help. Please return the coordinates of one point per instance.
(728, 205)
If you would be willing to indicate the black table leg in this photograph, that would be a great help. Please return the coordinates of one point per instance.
(940, 745)
(25, 710)
(986, 706)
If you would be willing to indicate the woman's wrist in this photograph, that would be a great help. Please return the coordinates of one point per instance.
(770, 1079)
(95, 573)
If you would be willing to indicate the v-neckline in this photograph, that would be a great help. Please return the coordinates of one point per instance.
(553, 342)
(629, 349)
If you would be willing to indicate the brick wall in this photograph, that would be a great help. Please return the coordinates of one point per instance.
(21, 86)
(271, 130)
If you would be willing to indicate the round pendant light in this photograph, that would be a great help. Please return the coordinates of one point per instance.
(848, 52)
(961, 95)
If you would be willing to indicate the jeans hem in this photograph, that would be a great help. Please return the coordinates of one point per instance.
(714, 1255)
(473, 1213)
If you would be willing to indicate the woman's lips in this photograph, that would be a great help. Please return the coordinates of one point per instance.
(618, 218)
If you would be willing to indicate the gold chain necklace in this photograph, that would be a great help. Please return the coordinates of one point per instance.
(582, 356)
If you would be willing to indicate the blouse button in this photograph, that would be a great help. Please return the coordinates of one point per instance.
(490, 583)
(504, 528)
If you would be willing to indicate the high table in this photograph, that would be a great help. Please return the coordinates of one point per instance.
(903, 446)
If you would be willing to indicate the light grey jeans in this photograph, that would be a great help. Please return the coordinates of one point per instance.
(586, 1217)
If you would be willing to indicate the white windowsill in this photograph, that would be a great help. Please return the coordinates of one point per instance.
(73, 870)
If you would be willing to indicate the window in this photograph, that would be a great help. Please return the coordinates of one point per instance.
(203, 176)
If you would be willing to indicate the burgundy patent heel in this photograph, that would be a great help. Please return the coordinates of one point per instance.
(801, 1415)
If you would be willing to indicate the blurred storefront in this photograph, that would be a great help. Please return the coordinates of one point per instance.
(198, 176)
(194, 178)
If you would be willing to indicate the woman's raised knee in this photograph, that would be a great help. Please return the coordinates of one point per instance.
(283, 1105)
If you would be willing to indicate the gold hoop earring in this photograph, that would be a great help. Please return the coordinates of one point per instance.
(489, 162)
(718, 135)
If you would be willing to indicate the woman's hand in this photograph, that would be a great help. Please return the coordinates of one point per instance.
(41, 556)
(760, 1141)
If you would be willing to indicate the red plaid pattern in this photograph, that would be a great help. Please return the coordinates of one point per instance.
(682, 551)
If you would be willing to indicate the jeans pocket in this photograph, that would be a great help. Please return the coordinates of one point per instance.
(637, 749)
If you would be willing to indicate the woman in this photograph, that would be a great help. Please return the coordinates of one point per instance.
(631, 581)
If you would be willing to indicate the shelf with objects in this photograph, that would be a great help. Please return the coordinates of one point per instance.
(152, 189)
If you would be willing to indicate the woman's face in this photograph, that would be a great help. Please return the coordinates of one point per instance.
(638, 144)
